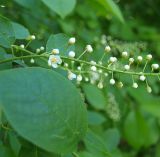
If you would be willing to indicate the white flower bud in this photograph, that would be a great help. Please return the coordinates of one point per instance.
(100, 62)
(149, 89)
(33, 37)
(100, 71)
(135, 85)
(126, 67)
(71, 54)
(100, 85)
(72, 40)
(66, 65)
(86, 79)
(124, 54)
(41, 48)
(93, 68)
(55, 51)
(79, 68)
(89, 48)
(112, 81)
(155, 66)
(120, 84)
(112, 59)
(71, 75)
(93, 62)
(142, 78)
(22, 46)
(131, 60)
(38, 50)
(32, 60)
(106, 74)
(79, 78)
(107, 49)
(149, 57)
(139, 58)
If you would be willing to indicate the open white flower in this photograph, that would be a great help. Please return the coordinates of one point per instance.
(54, 60)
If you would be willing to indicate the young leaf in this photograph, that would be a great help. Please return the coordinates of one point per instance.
(43, 107)
(20, 31)
(112, 7)
(145, 130)
(7, 35)
(95, 96)
(61, 7)
(59, 41)
(96, 145)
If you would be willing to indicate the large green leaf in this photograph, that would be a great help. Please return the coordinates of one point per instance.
(7, 36)
(43, 107)
(61, 7)
(96, 145)
(20, 31)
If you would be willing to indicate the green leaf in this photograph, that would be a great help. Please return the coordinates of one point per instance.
(95, 118)
(7, 35)
(96, 145)
(150, 104)
(112, 138)
(35, 152)
(59, 41)
(26, 3)
(14, 143)
(145, 130)
(112, 7)
(20, 31)
(61, 7)
(95, 96)
(4, 56)
(5, 152)
(44, 108)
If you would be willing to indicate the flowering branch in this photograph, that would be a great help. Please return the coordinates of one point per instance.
(96, 70)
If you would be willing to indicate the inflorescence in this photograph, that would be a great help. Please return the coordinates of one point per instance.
(92, 71)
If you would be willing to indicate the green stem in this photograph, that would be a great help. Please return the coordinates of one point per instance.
(145, 66)
(82, 54)
(75, 154)
(21, 57)
(103, 56)
(32, 55)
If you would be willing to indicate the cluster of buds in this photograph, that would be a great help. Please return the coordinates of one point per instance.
(96, 73)
(105, 69)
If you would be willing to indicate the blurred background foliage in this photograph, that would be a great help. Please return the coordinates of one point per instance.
(124, 122)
